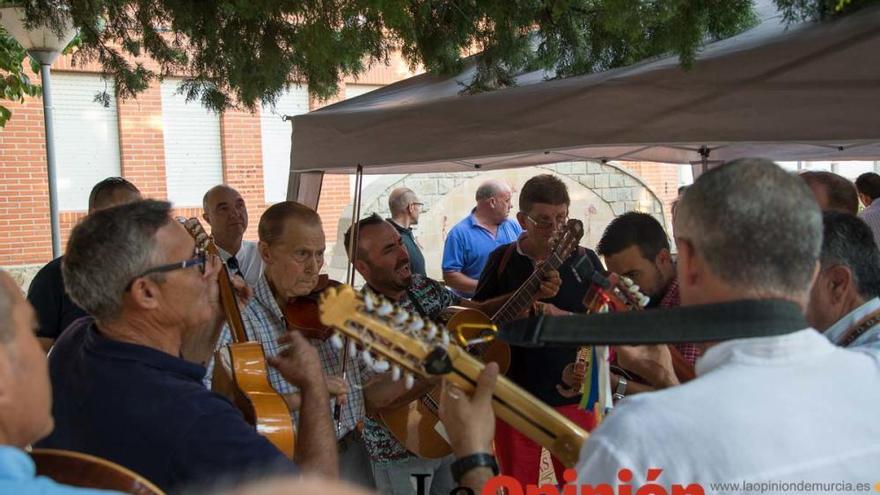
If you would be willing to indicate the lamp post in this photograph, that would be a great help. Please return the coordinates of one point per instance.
(44, 45)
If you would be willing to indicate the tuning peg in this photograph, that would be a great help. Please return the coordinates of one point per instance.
(384, 309)
(416, 324)
(626, 281)
(395, 373)
(336, 341)
(634, 288)
(432, 330)
(408, 381)
(445, 338)
(644, 301)
(369, 303)
(368, 358)
(352, 348)
(381, 366)
(400, 317)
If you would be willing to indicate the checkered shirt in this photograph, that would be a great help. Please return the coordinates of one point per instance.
(672, 299)
(432, 297)
(264, 322)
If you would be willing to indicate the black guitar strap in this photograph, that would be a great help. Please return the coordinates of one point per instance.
(704, 323)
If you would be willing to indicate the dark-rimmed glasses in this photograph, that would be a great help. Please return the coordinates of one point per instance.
(543, 224)
(200, 259)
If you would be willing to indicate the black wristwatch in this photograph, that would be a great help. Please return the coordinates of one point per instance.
(461, 466)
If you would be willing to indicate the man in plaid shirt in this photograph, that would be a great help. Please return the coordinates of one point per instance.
(635, 245)
(383, 261)
(292, 248)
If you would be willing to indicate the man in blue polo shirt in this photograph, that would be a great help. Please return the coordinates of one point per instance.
(471, 240)
(128, 384)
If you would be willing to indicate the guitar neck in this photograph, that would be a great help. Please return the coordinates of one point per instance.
(521, 410)
(523, 298)
(230, 306)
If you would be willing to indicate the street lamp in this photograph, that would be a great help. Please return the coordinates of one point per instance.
(44, 45)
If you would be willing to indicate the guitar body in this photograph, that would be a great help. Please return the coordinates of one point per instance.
(87, 471)
(240, 375)
(471, 324)
(417, 427)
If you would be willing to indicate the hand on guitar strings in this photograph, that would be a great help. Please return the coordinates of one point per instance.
(298, 362)
(470, 421)
(338, 388)
(549, 286)
(243, 292)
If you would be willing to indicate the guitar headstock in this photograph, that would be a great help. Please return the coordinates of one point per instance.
(566, 239)
(616, 294)
(197, 231)
(386, 332)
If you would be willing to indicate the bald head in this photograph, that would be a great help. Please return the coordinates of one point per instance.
(400, 199)
(279, 215)
(226, 213)
(490, 189)
(493, 201)
(112, 191)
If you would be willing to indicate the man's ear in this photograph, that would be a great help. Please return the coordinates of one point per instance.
(206, 217)
(840, 281)
(265, 252)
(664, 259)
(144, 293)
(523, 221)
(363, 268)
(688, 264)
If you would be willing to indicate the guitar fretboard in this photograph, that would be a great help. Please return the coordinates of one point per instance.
(525, 295)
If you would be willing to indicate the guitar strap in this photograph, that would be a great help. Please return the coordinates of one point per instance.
(686, 324)
(857, 330)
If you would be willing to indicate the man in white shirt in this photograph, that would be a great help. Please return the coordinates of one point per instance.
(782, 410)
(226, 213)
(868, 186)
(844, 302)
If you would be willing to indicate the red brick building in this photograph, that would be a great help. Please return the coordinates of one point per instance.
(170, 150)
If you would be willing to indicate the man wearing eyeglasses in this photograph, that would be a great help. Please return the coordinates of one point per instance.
(543, 209)
(470, 241)
(55, 310)
(405, 209)
(127, 386)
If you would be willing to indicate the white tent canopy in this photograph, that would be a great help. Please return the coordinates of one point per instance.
(804, 92)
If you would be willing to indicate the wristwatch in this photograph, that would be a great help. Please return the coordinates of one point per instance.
(461, 466)
(620, 390)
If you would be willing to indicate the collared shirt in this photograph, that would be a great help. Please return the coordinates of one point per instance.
(871, 216)
(416, 258)
(18, 475)
(431, 298)
(249, 261)
(870, 339)
(468, 246)
(264, 322)
(55, 311)
(785, 409)
(672, 299)
(149, 411)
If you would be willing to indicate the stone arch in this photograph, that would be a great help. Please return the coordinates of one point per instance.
(599, 192)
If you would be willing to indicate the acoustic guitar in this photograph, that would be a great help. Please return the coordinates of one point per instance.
(471, 324)
(423, 348)
(87, 471)
(240, 372)
(417, 425)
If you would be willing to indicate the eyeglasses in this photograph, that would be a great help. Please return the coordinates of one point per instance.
(417, 204)
(544, 224)
(200, 259)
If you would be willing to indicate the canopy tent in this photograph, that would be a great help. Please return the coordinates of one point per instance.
(802, 92)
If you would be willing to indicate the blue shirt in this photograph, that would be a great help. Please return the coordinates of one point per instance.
(468, 246)
(149, 411)
(18, 475)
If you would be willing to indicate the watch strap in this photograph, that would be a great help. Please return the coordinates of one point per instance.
(461, 466)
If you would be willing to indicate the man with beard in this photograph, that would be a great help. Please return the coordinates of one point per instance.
(546, 373)
(383, 261)
(292, 249)
(226, 213)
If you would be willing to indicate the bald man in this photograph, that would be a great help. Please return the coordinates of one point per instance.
(226, 213)
(405, 210)
(471, 240)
